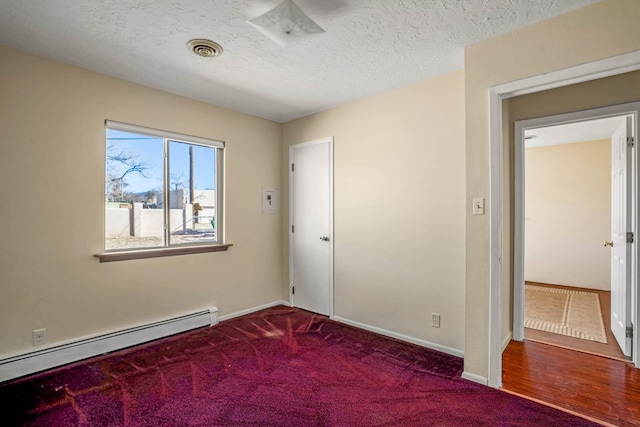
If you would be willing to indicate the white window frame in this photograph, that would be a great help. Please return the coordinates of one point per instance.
(167, 248)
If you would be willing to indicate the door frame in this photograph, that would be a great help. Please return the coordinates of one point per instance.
(581, 73)
(292, 148)
(521, 126)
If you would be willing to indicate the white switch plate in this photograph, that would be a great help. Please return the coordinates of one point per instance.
(478, 206)
(269, 200)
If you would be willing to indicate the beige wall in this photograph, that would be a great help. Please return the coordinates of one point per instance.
(614, 90)
(605, 29)
(399, 214)
(52, 165)
(568, 214)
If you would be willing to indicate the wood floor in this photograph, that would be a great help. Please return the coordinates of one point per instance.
(585, 377)
(598, 387)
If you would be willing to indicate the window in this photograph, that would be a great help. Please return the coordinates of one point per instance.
(162, 189)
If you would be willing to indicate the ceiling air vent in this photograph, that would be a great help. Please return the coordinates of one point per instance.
(204, 47)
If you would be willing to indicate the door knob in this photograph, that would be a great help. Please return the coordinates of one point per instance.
(324, 238)
(608, 243)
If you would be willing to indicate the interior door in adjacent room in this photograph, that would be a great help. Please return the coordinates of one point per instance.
(311, 225)
(621, 224)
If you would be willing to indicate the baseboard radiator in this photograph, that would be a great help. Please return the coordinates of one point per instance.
(56, 355)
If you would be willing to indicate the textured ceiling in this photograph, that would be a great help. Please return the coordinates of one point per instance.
(369, 46)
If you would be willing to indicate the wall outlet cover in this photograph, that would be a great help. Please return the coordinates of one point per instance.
(435, 320)
(39, 336)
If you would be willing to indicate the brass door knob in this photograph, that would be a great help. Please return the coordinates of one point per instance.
(608, 243)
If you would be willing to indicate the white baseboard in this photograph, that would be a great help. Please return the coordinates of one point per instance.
(401, 337)
(18, 365)
(475, 378)
(253, 310)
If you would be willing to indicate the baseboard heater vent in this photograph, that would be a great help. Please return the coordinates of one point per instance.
(72, 351)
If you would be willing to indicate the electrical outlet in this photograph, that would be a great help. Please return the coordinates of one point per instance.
(39, 336)
(435, 320)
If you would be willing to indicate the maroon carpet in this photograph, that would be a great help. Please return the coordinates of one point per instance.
(278, 367)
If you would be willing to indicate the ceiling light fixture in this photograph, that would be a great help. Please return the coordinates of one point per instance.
(205, 48)
(286, 24)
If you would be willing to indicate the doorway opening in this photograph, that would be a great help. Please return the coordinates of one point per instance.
(568, 291)
(555, 374)
(499, 183)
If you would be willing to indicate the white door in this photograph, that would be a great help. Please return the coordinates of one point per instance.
(311, 225)
(620, 225)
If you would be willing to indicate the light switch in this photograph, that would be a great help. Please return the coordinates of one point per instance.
(478, 206)
(269, 200)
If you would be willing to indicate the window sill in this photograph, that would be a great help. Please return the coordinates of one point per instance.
(162, 252)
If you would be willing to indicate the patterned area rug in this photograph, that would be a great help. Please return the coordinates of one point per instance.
(566, 312)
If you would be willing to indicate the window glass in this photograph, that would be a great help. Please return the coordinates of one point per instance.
(153, 203)
(192, 193)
